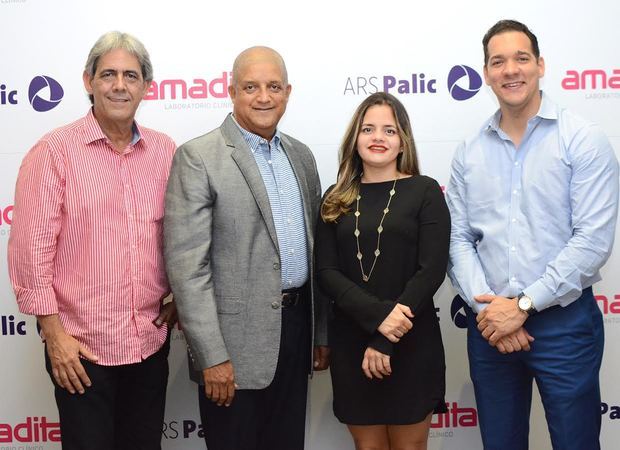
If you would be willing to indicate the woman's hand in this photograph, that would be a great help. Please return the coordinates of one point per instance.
(376, 364)
(397, 323)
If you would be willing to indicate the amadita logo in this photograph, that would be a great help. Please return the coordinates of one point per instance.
(44, 93)
(457, 313)
(463, 82)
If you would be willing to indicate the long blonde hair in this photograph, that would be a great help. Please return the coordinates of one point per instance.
(340, 198)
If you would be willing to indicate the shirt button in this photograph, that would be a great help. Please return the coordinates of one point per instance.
(269, 161)
(514, 192)
(513, 279)
(513, 220)
(275, 305)
(516, 163)
(513, 248)
(276, 266)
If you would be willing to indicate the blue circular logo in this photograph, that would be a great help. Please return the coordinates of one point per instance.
(44, 93)
(463, 82)
(457, 313)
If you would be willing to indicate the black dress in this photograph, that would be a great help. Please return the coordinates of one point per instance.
(410, 268)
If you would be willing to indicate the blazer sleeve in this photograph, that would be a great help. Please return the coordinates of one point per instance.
(321, 301)
(187, 242)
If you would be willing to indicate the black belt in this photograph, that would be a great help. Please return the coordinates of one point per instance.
(291, 297)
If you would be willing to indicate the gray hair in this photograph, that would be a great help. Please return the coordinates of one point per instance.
(113, 40)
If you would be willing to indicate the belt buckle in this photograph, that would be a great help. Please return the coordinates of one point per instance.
(289, 299)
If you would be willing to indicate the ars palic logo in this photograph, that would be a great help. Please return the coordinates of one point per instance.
(11, 327)
(462, 83)
(44, 94)
(457, 312)
(612, 412)
(185, 429)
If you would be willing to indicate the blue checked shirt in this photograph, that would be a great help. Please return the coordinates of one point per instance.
(539, 218)
(286, 206)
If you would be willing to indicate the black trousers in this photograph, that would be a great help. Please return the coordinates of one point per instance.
(123, 409)
(273, 418)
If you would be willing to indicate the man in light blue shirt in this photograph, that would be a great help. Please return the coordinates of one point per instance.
(533, 198)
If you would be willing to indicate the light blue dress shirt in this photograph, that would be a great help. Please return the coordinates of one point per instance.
(286, 206)
(539, 218)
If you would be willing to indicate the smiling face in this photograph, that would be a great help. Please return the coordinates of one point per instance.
(117, 87)
(513, 72)
(259, 92)
(378, 142)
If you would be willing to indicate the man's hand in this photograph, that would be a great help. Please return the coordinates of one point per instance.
(500, 318)
(64, 352)
(397, 323)
(321, 357)
(167, 314)
(220, 383)
(376, 364)
(518, 341)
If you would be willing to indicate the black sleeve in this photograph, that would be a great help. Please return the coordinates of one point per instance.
(364, 308)
(433, 249)
(382, 344)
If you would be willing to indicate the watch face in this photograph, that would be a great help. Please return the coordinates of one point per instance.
(525, 303)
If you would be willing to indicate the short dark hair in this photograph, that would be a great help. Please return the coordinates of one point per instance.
(509, 25)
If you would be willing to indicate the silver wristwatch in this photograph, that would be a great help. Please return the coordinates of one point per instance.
(526, 304)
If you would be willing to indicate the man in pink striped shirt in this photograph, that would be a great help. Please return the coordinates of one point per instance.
(85, 257)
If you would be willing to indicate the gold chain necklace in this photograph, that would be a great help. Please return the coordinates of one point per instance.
(379, 231)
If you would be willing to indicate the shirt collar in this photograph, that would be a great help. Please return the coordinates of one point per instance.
(254, 140)
(93, 132)
(547, 110)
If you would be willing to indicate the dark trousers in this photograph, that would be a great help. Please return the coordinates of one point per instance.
(564, 360)
(123, 409)
(273, 418)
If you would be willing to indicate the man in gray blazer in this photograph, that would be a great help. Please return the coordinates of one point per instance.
(241, 206)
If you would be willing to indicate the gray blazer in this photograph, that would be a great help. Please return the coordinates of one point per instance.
(222, 254)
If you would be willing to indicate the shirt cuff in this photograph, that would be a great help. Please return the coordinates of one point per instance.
(382, 344)
(478, 307)
(541, 296)
(36, 302)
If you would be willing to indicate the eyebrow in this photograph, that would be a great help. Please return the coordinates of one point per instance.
(116, 71)
(518, 52)
(367, 124)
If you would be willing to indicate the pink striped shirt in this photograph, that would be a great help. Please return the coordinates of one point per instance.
(86, 238)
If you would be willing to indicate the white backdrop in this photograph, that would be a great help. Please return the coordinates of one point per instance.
(336, 53)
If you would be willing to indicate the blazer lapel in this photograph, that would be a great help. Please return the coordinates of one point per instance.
(244, 159)
(300, 173)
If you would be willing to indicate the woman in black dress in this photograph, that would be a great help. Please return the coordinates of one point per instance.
(381, 253)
